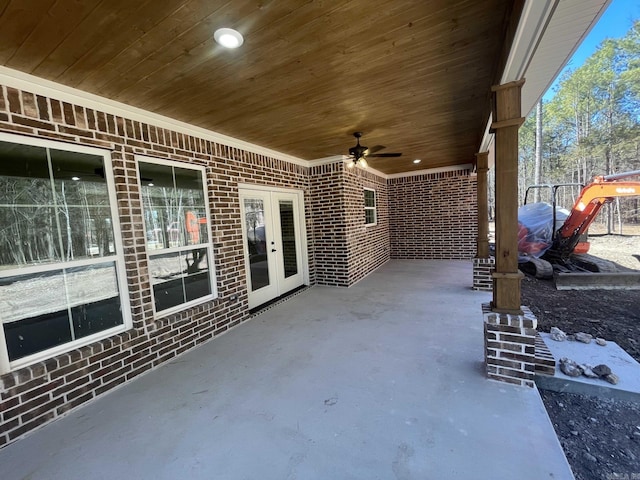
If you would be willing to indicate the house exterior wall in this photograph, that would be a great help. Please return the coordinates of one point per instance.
(433, 216)
(327, 210)
(341, 249)
(345, 249)
(36, 394)
(367, 245)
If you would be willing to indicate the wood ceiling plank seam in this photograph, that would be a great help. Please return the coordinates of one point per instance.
(82, 39)
(52, 29)
(170, 68)
(161, 82)
(89, 61)
(16, 25)
(137, 50)
(112, 67)
(194, 50)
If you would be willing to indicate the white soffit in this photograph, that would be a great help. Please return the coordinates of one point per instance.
(548, 34)
(570, 23)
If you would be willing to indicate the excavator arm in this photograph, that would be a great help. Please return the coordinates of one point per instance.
(601, 191)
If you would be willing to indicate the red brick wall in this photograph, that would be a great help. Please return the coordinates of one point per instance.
(368, 246)
(433, 216)
(428, 217)
(326, 206)
(36, 394)
(345, 249)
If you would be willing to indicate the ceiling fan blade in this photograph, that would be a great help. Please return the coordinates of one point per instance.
(385, 155)
(376, 148)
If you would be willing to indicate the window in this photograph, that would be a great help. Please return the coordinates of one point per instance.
(177, 231)
(370, 217)
(62, 280)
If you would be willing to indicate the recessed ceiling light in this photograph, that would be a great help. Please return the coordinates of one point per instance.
(228, 37)
(150, 184)
(75, 179)
(417, 160)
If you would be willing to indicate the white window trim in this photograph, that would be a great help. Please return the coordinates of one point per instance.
(374, 208)
(5, 364)
(210, 257)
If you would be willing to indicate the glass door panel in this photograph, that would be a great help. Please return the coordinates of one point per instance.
(288, 238)
(254, 218)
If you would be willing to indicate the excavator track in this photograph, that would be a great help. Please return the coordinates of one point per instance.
(538, 267)
(593, 264)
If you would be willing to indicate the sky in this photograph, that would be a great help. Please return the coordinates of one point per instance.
(614, 23)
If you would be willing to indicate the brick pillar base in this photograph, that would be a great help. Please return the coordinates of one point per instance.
(482, 269)
(509, 346)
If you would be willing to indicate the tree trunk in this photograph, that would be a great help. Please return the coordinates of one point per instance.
(538, 156)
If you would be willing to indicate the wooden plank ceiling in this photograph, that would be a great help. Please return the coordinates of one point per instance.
(413, 75)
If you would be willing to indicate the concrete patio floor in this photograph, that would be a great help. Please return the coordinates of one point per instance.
(383, 380)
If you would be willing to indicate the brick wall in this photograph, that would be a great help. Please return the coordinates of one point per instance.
(345, 249)
(433, 216)
(367, 245)
(36, 394)
(326, 206)
(428, 217)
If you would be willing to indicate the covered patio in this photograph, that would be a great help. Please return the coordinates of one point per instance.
(381, 380)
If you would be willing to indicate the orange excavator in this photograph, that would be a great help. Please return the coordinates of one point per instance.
(566, 252)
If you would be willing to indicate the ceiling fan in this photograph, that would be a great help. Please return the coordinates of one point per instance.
(359, 152)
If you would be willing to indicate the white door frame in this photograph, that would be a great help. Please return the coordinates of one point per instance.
(247, 189)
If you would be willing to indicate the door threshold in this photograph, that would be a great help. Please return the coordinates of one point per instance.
(278, 300)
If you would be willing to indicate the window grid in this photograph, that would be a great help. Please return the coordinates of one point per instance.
(59, 201)
(370, 209)
(177, 231)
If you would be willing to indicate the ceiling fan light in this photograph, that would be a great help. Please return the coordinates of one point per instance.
(228, 37)
(363, 163)
(351, 163)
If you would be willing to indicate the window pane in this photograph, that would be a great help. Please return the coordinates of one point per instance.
(196, 283)
(287, 227)
(34, 310)
(370, 216)
(86, 232)
(174, 210)
(94, 299)
(28, 235)
(369, 198)
(28, 232)
(24, 175)
(36, 334)
(166, 278)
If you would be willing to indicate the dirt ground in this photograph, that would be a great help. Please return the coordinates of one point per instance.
(601, 438)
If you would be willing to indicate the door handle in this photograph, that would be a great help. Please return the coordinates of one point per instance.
(273, 249)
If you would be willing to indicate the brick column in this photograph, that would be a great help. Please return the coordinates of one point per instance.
(509, 341)
(482, 270)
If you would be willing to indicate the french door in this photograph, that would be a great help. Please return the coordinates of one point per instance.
(274, 244)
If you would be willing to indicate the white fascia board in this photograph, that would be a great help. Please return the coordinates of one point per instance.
(533, 22)
(47, 88)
